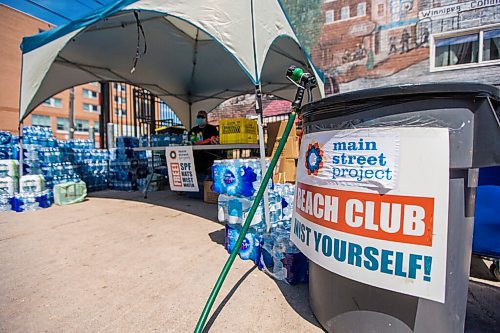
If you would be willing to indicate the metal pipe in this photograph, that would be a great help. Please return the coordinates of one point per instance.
(259, 110)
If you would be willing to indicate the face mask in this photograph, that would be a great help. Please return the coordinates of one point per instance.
(201, 121)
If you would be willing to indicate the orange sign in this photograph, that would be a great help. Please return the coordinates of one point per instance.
(396, 218)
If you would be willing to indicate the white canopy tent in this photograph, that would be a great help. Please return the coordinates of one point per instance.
(193, 54)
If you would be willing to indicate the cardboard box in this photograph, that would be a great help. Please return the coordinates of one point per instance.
(209, 196)
(291, 148)
(286, 171)
(275, 132)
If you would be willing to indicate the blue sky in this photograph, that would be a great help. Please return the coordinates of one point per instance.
(56, 11)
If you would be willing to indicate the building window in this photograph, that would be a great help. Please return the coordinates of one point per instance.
(329, 19)
(457, 50)
(53, 102)
(96, 127)
(120, 100)
(469, 48)
(89, 93)
(380, 10)
(119, 86)
(491, 44)
(120, 112)
(62, 124)
(90, 107)
(81, 125)
(344, 13)
(37, 120)
(361, 9)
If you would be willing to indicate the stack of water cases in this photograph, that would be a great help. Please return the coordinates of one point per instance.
(9, 146)
(167, 139)
(9, 183)
(9, 178)
(128, 169)
(237, 181)
(91, 163)
(42, 165)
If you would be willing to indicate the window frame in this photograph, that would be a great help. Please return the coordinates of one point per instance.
(476, 30)
(92, 105)
(120, 112)
(333, 16)
(379, 16)
(364, 9)
(41, 116)
(119, 100)
(90, 97)
(82, 122)
(348, 13)
(57, 125)
(120, 87)
(52, 103)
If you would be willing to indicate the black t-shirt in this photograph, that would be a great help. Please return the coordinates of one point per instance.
(203, 160)
(207, 131)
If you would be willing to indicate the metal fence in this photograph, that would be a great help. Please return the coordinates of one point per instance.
(136, 111)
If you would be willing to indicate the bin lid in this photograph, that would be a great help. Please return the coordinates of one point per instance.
(407, 92)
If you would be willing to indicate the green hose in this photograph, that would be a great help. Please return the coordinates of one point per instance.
(244, 229)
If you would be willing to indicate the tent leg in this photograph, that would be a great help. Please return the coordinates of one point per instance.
(259, 111)
(190, 118)
(21, 154)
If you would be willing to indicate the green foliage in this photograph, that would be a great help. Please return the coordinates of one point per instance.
(306, 19)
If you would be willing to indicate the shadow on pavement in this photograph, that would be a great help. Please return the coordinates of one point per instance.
(218, 236)
(226, 299)
(166, 199)
(297, 296)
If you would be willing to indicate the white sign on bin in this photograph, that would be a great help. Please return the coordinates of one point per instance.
(372, 205)
(181, 171)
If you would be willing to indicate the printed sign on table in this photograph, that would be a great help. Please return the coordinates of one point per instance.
(181, 171)
(372, 205)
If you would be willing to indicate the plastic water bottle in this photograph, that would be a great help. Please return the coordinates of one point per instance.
(5, 203)
(30, 202)
(266, 257)
(233, 177)
(5, 137)
(222, 209)
(279, 248)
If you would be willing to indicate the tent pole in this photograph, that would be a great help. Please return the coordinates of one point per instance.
(190, 118)
(260, 111)
(21, 149)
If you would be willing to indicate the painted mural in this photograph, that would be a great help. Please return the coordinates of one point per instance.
(363, 43)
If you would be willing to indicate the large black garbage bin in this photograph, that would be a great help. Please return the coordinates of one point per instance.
(471, 112)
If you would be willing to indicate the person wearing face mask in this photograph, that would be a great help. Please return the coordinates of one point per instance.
(203, 133)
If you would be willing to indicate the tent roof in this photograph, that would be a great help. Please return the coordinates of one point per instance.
(192, 54)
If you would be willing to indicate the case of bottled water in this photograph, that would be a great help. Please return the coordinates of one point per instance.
(127, 168)
(240, 177)
(274, 251)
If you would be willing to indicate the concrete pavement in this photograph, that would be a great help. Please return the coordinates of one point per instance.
(119, 263)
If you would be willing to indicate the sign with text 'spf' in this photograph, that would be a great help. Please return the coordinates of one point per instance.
(181, 171)
(372, 205)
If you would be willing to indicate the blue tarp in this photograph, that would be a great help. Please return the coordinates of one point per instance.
(486, 241)
(57, 12)
(32, 42)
